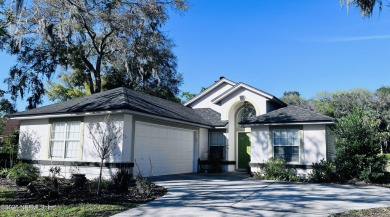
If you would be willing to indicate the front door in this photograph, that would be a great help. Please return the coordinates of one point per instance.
(244, 150)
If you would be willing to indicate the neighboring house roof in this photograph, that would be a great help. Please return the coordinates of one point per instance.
(210, 88)
(212, 116)
(11, 125)
(288, 115)
(120, 99)
(248, 87)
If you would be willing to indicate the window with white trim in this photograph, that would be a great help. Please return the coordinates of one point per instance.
(286, 144)
(65, 139)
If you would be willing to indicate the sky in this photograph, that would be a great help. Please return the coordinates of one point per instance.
(276, 46)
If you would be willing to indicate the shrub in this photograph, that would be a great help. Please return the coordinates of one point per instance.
(23, 173)
(3, 172)
(357, 146)
(105, 185)
(324, 171)
(122, 180)
(276, 169)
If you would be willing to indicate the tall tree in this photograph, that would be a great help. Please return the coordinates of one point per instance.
(92, 37)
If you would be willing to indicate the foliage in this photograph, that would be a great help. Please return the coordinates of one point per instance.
(323, 171)
(23, 173)
(106, 136)
(276, 169)
(67, 89)
(122, 180)
(165, 86)
(293, 98)
(366, 7)
(6, 107)
(105, 185)
(4, 172)
(143, 185)
(10, 146)
(186, 95)
(89, 38)
(357, 146)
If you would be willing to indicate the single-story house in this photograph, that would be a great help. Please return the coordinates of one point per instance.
(237, 124)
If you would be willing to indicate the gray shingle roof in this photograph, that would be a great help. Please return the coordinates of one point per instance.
(120, 99)
(289, 114)
(211, 116)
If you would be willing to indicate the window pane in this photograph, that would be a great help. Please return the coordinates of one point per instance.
(71, 149)
(216, 139)
(56, 149)
(276, 141)
(58, 130)
(73, 130)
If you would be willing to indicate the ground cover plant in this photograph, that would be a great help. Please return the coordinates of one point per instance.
(55, 196)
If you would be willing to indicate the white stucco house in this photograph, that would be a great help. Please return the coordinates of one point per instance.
(237, 124)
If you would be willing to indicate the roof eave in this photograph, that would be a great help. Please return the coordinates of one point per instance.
(217, 99)
(286, 123)
(96, 113)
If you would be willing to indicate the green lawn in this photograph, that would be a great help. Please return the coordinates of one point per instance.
(7, 194)
(64, 210)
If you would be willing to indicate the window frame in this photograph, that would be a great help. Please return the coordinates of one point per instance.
(299, 144)
(78, 149)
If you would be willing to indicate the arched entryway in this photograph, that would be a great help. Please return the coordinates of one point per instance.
(243, 143)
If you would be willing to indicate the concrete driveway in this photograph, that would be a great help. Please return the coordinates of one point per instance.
(234, 194)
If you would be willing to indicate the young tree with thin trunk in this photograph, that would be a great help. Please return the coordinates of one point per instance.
(105, 134)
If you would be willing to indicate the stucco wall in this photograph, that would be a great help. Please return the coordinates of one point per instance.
(90, 172)
(260, 150)
(33, 139)
(89, 150)
(205, 101)
(314, 143)
(203, 143)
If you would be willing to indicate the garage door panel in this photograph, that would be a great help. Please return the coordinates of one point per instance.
(169, 149)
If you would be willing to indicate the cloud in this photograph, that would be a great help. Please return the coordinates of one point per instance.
(352, 38)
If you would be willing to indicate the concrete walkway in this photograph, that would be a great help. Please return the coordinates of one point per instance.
(235, 194)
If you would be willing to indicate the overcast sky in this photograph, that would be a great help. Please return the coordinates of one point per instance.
(277, 46)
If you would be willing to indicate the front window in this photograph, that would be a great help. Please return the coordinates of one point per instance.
(286, 144)
(216, 145)
(65, 139)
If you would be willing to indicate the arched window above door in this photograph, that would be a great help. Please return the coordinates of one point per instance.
(248, 113)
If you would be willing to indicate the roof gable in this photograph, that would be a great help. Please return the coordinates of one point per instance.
(288, 115)
(209, 89)
(250, 88)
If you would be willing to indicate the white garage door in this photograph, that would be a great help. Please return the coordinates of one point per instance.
(171, 150)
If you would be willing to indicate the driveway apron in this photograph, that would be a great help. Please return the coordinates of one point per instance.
(234, 194)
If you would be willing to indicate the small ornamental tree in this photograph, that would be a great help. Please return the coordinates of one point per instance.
(357, 147)
(105, 135)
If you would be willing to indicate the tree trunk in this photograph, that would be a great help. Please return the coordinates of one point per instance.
(98, 80)
(100, 177)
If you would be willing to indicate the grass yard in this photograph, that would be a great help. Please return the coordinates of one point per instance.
(375, 212)
(63, 210)
(9, 194)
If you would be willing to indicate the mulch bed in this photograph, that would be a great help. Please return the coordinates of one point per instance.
(68, 194)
